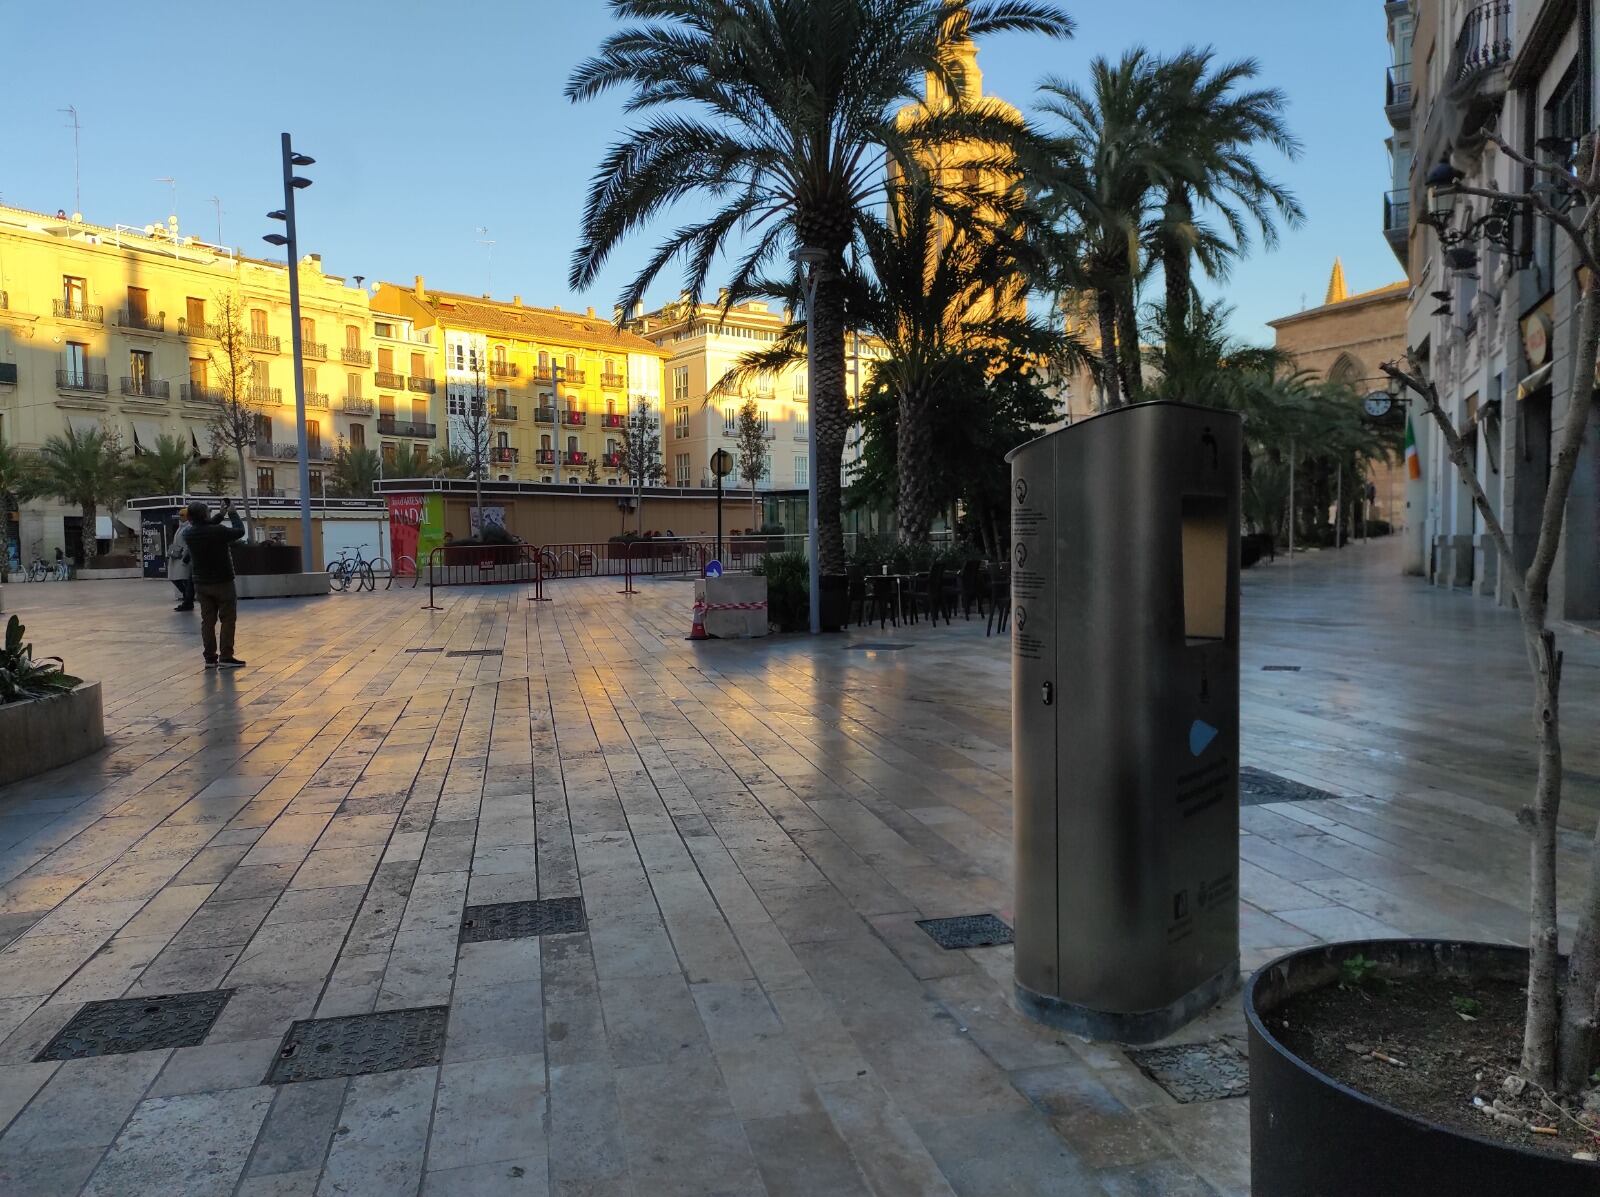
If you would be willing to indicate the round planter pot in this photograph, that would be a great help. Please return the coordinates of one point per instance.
(1311, 1136)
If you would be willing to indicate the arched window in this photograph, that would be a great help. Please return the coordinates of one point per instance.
(1347, 370)
(572, 363)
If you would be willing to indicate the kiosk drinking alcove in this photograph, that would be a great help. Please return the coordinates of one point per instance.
(1125, 719)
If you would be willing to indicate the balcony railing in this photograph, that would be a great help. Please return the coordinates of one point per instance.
(574, 457)
(200, 331)
(573, 417)
(317, 399)
(1397, 213)
(613, 420)
(142, 321)
(261, 342)
(390, 426)
(355, 357)
(418, 382)
(1397, 90)
(544, 415)
(91, 313)
(80, 380)
(503, 456)
(268, 492)
(504, 370)
(290, 451)
(389, 380)
(357, 405)
(614, 382)
(612, 461)
(574, 376)
(147, 388)
(266, 396)
(545, 456)
(1484, 42)
(5, 301)
(199, 392)
(317, 351)
(505, 415)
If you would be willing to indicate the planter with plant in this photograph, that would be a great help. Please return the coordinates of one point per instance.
(1443, 1067)
(47, 716)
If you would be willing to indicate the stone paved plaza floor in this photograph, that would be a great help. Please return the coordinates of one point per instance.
(754, 829)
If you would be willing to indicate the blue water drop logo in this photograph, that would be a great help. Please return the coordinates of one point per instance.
(1201, 734)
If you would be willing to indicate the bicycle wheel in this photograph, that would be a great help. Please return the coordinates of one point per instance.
(338, 577)
(368, 578)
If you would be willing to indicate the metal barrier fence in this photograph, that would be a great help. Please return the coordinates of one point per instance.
(483, 565)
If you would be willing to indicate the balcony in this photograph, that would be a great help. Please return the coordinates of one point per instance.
(1483, 44)
(419, 383)
(89, 313)
(317, 351)
(573, 417)
(261, 342)
(1397, 222)
(199, 392)
(1397, 95)
(544, 415)
(357, 405)
(199, 332)
(317, 400)
(545, 456)
(81, 380)
(355, 357)
(612, 461)
(613, 420)
(290, 451)
(575, 377)
(613, 382)
(266, 396)
(503, 456)
(390, 426)
(268, 492)
(504, 370)
(389, 381)
(142, 321)
(574, 457)
(542, 374)
(503, 415)
(146, 388)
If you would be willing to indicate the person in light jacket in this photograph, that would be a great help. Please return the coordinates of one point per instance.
(179, 571)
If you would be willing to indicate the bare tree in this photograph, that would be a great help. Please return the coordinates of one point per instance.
(235, 398)
(641, 454)
(468, 413)
(1559, 1033)
(751, 445)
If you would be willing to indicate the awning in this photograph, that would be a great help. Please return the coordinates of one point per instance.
(200, 438)
(1534, 381)
(84, 424)
(145, 434)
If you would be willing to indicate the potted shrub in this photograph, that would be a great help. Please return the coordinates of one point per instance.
(1444, 1067)
(47, 716)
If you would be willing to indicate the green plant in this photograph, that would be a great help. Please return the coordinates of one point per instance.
(1358, 972)
(1469, 1007)
(23, 676)
(788, 589)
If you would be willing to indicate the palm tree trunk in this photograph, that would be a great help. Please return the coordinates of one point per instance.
(914, 467)
(5, 537)
(90, 516)
(831, 412)
(1175, 260)
(1128, 342)
(1110, 372)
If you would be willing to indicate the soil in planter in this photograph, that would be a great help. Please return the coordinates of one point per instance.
(1444, 1060)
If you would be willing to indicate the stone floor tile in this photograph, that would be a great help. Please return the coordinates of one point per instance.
(379, 1146)
(495, 1021)
(496, 962)
(214, 1067)
(282, 1184)
(802, 1154)
(47, 1171)
(1160, 1178)
(505, 1178)
(1006, 1153)
(487, 1111)
(195, 1144)
(886, 1148)
(18, 1084)
(297, 1132)
(84, 1104)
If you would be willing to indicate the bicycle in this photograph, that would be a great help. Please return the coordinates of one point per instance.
(360, 570)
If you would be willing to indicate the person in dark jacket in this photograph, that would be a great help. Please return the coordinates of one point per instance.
(210, 545)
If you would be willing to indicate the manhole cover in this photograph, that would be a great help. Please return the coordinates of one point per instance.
(318, 1048)
(880, 648)
(967, 931)
(1256, 786)
(142, 1024)
(424, 650)
(1196, 1071)
(1280, 669)
(474, 652)
(522, 920)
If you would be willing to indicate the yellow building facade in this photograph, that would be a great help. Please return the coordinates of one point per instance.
(558, 385)
(114, 326)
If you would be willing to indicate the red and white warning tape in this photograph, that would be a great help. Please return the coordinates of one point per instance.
(762, 606)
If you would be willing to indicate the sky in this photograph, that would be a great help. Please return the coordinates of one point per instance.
(432, 122)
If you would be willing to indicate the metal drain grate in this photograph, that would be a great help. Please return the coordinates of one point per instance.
(1256, 786)
(475, 652)
(1280, 669)
(1196, 1071)
(522, 920)
(142, 1024)
(884, 647)
(318, 1048)
(423, 650)
(967, 931)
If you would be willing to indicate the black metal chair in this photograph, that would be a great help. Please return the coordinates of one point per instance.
(882, 600)
(999, 598)
(969, 588)
(856, 593)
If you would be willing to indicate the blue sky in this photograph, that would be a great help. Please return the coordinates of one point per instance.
(429, 121)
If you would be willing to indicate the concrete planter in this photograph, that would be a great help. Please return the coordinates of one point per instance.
(262, 586)
(725, 620)
(43, 733)
(84, 574)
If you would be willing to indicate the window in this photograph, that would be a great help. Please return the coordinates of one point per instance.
(419, 365)
(352, 385)
(382, 328)
(611, 407)
(544, 440)
(680, 383)
(198, 367)
(419, 454)
(308, 329)
(386, 407)
(572, 364)
(611, 444)
(390, 450)
(500, 357)
(502, 397)
(680, 422)
(358, 436)
(572, 444)
(74, 292)
(680, 471)
(419, 411)
(196, 315)
(802, 426)
(266, 481)
(802, 471)
(263, 428)
(766, 468)
(503, 440)
(139, 371)
(313, 437)
(77, 359)
(799, 386)
(730, 418)
(138, 305)
(544, 368)
(386, 361)
(258, 322)
(315, 477)
(352, 336)
(308, 377)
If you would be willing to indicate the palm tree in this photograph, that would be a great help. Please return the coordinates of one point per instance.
(86, 469)
(1212, 121)
(18, 478)
(162, 468)
(787, 115)
(355, 469)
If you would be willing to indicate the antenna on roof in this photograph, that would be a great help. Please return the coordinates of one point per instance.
(217, 204)
(77, 177)
(489, 249)
(173, 185)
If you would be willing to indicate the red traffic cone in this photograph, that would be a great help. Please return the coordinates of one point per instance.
(698, 631)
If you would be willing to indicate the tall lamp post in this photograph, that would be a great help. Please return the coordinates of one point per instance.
(721, 466)
(811, 260)
(292, 183)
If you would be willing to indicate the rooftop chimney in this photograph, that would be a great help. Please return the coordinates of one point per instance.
(419, 290)
(590, 311)
(638, 308)
(516, 301)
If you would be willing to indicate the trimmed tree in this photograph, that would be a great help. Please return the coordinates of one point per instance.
(236, 416)
(641, 454)
(750, 452)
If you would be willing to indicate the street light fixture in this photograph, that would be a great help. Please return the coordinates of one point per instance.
(812, 260)
(292, 183)
(1496, 226)
(721, 466)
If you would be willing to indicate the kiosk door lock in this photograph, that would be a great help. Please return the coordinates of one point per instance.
(1049, 693)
